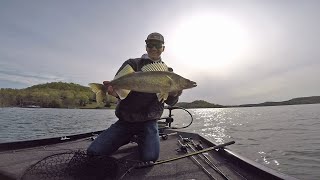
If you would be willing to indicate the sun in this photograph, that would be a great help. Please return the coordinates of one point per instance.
(210, 41)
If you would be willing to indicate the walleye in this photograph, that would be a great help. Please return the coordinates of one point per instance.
(153, 78)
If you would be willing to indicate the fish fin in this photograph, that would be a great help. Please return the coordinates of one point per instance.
(124, 71)
(156, 66)
(159, 95)
(95, 87)
(122, 93)
(100, 91)
(100, 96)
(166, 96)
(170, 80)
(162, 96)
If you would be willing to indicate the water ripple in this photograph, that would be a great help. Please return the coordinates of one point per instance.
(285, 138)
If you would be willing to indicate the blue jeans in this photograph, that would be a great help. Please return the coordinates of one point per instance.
(121, 132)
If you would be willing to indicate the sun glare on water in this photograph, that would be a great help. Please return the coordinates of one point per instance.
(209, 41)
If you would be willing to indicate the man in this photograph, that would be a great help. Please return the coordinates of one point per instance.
(138, 112)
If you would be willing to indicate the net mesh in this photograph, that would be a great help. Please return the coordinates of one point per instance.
(75, 165)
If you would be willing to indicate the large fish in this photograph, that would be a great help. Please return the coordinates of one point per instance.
(153, 78)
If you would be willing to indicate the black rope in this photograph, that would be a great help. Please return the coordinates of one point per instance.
(169, 119)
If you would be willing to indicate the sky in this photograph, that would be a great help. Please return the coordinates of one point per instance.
(238, 52)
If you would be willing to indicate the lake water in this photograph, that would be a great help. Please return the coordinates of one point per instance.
(285, 138)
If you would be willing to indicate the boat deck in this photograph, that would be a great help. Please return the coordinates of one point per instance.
(16, 162)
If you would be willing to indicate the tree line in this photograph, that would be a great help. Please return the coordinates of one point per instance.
(70, 95)
(50, 95)
(199, 104)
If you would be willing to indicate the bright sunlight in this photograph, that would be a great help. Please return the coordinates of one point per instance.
(212, 42)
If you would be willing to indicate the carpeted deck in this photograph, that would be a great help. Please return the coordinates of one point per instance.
(15, 163)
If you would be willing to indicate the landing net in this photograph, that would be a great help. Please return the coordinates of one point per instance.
(73, 165)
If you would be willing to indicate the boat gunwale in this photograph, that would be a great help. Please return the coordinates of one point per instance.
(17, 145)
(243, 161)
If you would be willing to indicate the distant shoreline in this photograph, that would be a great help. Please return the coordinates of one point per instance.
(294, 101)
(204, 104)
(75, 96)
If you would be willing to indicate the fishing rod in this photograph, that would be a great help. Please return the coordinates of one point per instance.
(210, 163)
(206, 159)
(149, 164)
(185, 149)
(195, 147)
(194, 153)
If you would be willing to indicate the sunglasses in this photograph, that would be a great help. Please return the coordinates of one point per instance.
(157, 46)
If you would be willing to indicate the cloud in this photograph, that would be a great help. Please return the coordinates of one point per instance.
(302, 81)
(87, 42)
(26, 79)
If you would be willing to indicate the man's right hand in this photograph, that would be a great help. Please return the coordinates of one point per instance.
(110, 89)
(175, 93)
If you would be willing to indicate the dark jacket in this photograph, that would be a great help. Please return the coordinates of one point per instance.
(139, 106)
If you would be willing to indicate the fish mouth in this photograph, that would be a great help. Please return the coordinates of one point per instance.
(193, 84)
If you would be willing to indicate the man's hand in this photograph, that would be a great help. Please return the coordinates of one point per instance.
(110, 89)
(175, 93)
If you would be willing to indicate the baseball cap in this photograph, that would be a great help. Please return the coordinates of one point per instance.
(155, 36)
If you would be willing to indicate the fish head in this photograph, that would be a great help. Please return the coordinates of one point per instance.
(186, 83)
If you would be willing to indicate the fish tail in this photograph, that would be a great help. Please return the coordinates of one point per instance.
(100, 91)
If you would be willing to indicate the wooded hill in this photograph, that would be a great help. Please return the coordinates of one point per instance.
(300, 100)
(198, 104)
(294, 101)
(50, 95)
